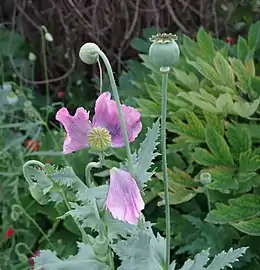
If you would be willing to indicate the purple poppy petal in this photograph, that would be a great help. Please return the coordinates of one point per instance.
(77, 127)
(106, 115)
(124, 200)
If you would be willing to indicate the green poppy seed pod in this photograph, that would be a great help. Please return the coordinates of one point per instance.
(205, 178)
(164, 51)
(88, 53)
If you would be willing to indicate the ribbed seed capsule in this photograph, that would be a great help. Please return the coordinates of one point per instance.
(164, 51)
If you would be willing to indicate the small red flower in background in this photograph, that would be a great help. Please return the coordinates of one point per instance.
(9, 233)
(31, 260)
(32, 145)
(230, 40)
(61, 94)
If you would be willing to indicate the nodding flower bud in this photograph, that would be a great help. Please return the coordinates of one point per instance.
(205, 178)
(164, 51)
(88, 53)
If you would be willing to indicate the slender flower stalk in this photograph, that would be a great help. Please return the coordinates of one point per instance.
(89, 54)
(45, 68)
(119, 108)
(164, 53)
(164, 165)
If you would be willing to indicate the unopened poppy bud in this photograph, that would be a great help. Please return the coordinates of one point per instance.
(48, 37)
(88, 53)
(164, 51)
(32, 57)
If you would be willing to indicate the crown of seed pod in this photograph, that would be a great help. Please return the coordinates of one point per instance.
(164, 51)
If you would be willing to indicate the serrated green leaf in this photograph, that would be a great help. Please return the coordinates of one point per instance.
(85, 214)
(242, 48)
(182, 187)
(224, 70)
(224, 259)
(249, 162)
(198, 100)
(206, 46)
(145, 156)
(239, 209)
(188, 80)
(84, 259)
(238, 138)
(148, 108)
(206, 70)
(250, 227)
(254, 82)
(218, 146)
(246, 109)
(204, 157)
(225, 103)
(254, 36)
(140, 251)
(215, 121)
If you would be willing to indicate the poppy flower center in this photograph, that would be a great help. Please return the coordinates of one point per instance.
(99, 138)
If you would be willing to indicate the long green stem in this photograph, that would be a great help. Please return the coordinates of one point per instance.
(87, 172)
(45, 68)
(83, 233)
(119, 108)
(164, 166)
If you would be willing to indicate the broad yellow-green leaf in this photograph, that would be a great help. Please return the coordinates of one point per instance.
(242, 49)
(148, 108)
(224, 70)
(239, 209)
(182, 187)
(206, 46)
(246, 109)
(188, 80)
(238, 138)
(225, 103)
(218, 146)
(251, 226)
(216, 121)
(254, 36)
(197, 99)
(206, 70)
(204, 157)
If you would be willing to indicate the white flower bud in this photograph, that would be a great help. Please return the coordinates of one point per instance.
(32, 57)
(48, 37)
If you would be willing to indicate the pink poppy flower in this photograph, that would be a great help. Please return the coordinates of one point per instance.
(106, 120)
(124, 200)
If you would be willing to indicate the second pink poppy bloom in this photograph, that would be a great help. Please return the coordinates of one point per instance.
(78, 127)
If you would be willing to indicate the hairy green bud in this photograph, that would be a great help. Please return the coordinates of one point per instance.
(88, 53)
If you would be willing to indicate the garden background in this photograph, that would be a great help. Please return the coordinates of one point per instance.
(213, 116)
